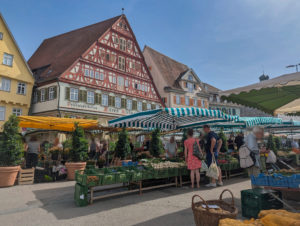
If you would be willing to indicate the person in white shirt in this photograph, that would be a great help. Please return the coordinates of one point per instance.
(171, 148)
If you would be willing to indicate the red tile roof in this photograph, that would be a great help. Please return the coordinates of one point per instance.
(58, 53)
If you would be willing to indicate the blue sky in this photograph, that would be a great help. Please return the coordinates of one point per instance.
(226, 42)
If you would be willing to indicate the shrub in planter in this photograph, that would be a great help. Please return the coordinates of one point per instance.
(123, 149)
(11, 150)
(78, 154)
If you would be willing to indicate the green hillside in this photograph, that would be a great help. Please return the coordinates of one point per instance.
(266, 99)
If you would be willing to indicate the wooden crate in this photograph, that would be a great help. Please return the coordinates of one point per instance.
(26, 176)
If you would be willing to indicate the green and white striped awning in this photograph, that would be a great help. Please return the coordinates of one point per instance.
(260, 121)
(172, 118)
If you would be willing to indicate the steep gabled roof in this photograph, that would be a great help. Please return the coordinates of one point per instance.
(169, 68)
(16, 44)
(211, 89)
(58, 53)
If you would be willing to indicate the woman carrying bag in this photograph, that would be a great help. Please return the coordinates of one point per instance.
(193, 162)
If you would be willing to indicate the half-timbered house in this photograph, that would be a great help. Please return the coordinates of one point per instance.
(96, 71)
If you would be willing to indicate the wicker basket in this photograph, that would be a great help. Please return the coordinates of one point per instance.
(203, 217)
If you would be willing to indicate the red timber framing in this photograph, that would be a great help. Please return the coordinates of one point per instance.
(114, 63)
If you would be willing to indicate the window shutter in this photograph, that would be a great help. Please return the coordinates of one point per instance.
(55, 92)
(46, 94)
(67, 96)
(152, 106)
(96, 101)
(174, 99)
(84, 96)
(113, 102)
(123, 103)
(134, 105)
(99, 98)
(191, 102)
(186, 84)
(199, 103)
(39, 95)
(182, 100)
(206, 104)
(109, 101)
(80, 95)
(144, 106)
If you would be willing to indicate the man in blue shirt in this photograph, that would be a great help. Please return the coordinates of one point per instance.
(212, 148)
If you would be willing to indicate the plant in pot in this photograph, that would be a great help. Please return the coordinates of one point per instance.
(122, 149)
(11, 150)
(78, 153)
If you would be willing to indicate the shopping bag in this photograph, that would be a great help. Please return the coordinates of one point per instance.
(197, 152)
(213, 170)
(271, 157)
(204, 167)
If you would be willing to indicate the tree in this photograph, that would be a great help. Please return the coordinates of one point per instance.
(263, 77)
(156, 146)
(224, 147)
(277, 143)
(123, 149)
(271, 144)
(11, 147)
(79, 150)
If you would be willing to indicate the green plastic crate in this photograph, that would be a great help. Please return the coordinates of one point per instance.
(137, 175)
(109, 178)
(184, 171)
(81, 195)
(161, 173)
(173, 172)
(148, 174)
(123, 177)
(255, 200)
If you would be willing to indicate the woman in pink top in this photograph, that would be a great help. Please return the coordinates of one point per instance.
(193, 163)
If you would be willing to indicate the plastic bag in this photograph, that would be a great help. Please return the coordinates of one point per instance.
(213, 170)
(271, 157)
(204, 167)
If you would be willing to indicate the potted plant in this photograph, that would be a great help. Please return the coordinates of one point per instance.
(11, 149)
(122, 149)
(78, 153)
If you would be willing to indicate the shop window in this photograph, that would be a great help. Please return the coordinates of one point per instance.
(104, 101)
(139, 106)
(90, 97)
(118, 102)
(73, 94)
(17, 111)
(8, 59)
(2, 113)
(5, 84)
(129, 104)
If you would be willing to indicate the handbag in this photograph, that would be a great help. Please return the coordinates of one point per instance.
(196, 151)
(204, 167)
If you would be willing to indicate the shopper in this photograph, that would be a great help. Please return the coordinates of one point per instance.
(230, 143)
(171, 148)
(212, 149)
(239, 140)
(193, 163)
(32, 152)
(252, 144)
(93, 149)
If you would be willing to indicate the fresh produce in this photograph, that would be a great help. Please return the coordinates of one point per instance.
(218, 210)
(284, 213)
(167, 164)
(233, 222)
(92, 179)
(274, 219)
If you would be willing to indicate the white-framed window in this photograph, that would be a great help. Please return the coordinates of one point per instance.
(126, 83)
(43, 95)
(143, 87)
(5, 84)
(51, 93)
(139, 86)
(139, 106)
(203, 103)
(91, 74)
(74, 94)
(101, 76)
(2, 113)
(148, 106)
(104, 100)
(120, 81)
(122, 44)
(114, 80)
(132, 65)
(121, 63)
(8, 59)
(17, 111)
(115, 39)
(90, 97)
(21, 88)
(157, 106)
(178, 99)
(190, 87)
(187, 101)
(195, 102)
(86, 72)
(97, 75)
(118, 102)
(129, 44)
(190, 78)
(129, 104)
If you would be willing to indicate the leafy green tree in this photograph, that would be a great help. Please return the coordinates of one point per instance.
(156, 146)
(222, 136)
(79, 150)
(11, 147)
(123, 149)
(277, 143)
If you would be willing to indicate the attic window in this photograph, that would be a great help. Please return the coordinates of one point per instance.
(190, 78)
(1, 36)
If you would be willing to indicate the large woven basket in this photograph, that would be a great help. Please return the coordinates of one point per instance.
(203, 217)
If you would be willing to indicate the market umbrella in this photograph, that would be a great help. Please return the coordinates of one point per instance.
(54, 123)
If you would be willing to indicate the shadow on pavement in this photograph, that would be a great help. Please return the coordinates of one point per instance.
(60, 201)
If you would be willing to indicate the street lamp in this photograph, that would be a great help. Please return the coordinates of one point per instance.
(293, 65)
